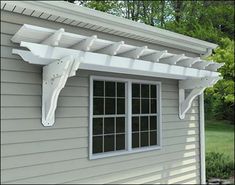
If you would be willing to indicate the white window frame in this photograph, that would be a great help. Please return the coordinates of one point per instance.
(128, 127)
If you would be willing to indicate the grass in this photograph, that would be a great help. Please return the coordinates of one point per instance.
(220, 137)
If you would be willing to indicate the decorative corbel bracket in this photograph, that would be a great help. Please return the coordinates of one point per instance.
(55, 76)
(197, 86)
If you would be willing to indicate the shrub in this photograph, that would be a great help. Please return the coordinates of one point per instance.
(218, 165)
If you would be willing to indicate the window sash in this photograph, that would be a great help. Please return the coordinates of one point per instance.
(128, 117)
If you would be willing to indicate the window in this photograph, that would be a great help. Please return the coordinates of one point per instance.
(124, 116)
(144, 115)
(109, 116)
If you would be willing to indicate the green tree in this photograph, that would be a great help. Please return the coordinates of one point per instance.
(219, 100)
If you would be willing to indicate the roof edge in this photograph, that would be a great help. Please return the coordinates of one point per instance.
(91, 16)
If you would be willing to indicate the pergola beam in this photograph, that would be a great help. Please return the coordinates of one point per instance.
(200, 64)
(54, 38)
(172, 60)
(111, 49)
(188, 62)
(214, 66)
(85, 44)
(135, 53)
(155, 57)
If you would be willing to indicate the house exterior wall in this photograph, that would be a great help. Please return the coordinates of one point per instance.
(32, 153)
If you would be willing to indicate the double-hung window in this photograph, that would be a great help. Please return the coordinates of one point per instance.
(124, 116)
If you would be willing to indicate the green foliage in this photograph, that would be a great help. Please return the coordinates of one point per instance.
(218, 165)
(219, 100)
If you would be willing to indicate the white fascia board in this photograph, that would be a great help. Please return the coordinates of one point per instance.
(75, 12)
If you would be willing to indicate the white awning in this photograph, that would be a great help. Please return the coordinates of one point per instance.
(62, 53)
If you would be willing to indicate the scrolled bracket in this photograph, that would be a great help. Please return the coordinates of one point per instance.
(197, 87)
(55, 76)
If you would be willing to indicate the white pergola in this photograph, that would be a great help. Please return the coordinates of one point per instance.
(62, 54)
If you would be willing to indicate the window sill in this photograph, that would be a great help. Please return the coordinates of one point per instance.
(123, 152)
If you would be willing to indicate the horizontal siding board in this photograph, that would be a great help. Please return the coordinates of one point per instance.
(35, 89)
(118, 177)
(19, 65)
(177, 178)
(45, 169)
(6, 40)
(175, 118)
(50, 134)
(192, 180)
(30, 159)
(36, 101)
(180, 140)
(9, 28)
(181, 177)
(35, 124)
(19, 77)
(74, 91)
(42, 158)
(45, 146)
(35, 112)
(16, 149)
(20, 89)
(6, 52)
(157, 175)
(77, 80)
(40, 135)
(21, 101)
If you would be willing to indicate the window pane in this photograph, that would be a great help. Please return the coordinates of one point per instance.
(135, 140)
(144, 123)
(135, 106)
(153, 91)
(98, 88)
(120, 141)
(144, 139)
(144, 91)
(153, 105)
(145, 106)
(121, 89)
(98, 106)
(108, 125)
(153, 137)
(108, 143)
(120, 106)
(97, 144)
(135, 124)
(110, 89)
(120, 125)
(135, 90)
(153, 122)
(97, 126)
(109, 105)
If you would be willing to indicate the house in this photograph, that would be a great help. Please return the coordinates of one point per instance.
(89, 97)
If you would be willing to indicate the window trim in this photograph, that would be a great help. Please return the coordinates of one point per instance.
(128, 128)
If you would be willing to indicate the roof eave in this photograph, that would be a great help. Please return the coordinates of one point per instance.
(164, 37)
